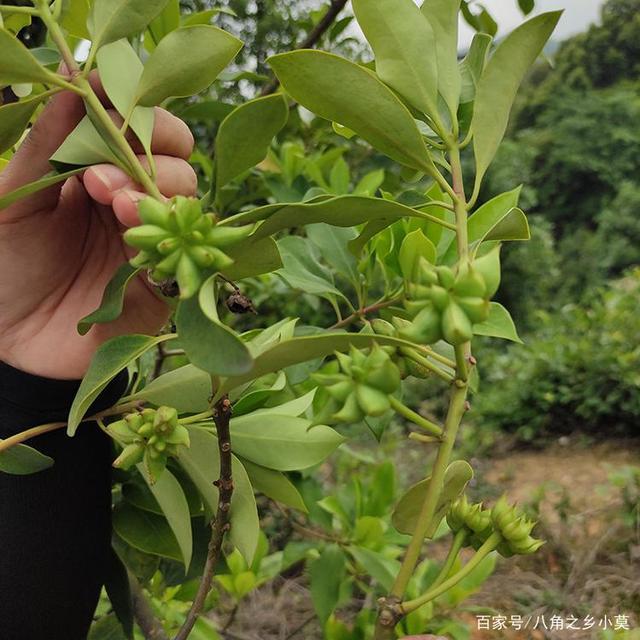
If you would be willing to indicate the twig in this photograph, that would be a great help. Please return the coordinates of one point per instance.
(300, 627)
(221, 524)
(143, 613)
(34, 432)
(159, 363)
(312, 39)
(360, 313)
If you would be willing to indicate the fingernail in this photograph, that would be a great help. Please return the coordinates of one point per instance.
(111, 177)
(135, 196)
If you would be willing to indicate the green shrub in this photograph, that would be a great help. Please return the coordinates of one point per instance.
(581, 371)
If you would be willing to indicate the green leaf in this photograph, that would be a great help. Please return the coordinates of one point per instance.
(405, 515)
(382, 569)
(120, 72)
(75, 14)
(46, 56)
(305, 349)
(112, 300)
(204, 17)
(207, 110)
(472, 582)
(106, 628)
(344, 92)
(209, 344)
(341, 211)
(18, 65)
(443, 17)
(172, 72)
(201, 462)
(473, 66)
(500, 82)
(253, 258)
(118, 589)
(403, 42)
(111, 20)
(164, 24)
(303, 270)
(292, 408)
(333, 244)
(258, 397)
(83, 147)
(170, 496)
(146, 532)
(14, 119)
(186, 389)
(526, 6)
(513, 226)
(22, 460)
(370, 183)
(487, 22)
(274, 485)
(16, 22)
(499, 324)
(245, 524)
(109, 360)
(136, 492)
(327, 573)
(492, 213)
(27, 190)
(497, 219)
(204, 630)
(245, 135)
(415, 246)
(283, 443)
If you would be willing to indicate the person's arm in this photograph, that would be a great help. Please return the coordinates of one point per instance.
(55, 526)
(58, 250)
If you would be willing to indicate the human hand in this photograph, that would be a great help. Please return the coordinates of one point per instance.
(60, 247)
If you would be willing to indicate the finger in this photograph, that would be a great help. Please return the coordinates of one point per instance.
(171, 136)
(105, 183)
(31, 162)
(125, 207)
(99, 90)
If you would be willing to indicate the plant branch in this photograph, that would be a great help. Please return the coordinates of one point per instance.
(23, 436)
(416, 418)
(435, 220)
(360, 313)
(392, 610)
(456, 546)
(312, 39)
(489, 545)
(423, 362)
(434, 355)
(44, 11)
(39, 430)
(149, 624)
(221, 524)
(80, 84)
(118, 139)
(24, 10)
(456, 411)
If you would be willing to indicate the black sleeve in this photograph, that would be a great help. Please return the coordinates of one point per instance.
(55, 526)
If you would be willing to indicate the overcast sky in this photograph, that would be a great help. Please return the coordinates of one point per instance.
(578, 15)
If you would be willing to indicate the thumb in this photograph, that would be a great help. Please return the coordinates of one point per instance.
(31, 161)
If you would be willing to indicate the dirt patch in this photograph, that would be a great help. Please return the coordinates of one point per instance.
(590, 565)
